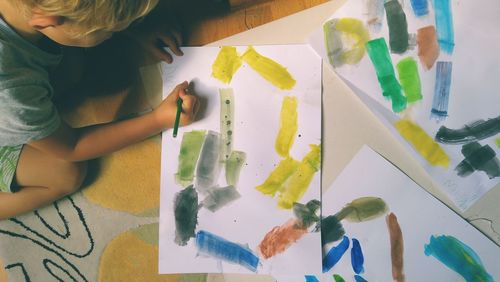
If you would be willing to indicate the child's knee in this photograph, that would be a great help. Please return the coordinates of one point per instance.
(72, 178)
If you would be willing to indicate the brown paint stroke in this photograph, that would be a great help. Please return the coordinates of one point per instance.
(428, 47)
(281, 238)
(397, 247)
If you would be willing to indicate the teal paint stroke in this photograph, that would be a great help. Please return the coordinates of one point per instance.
(398, 27)
(444, 25)
(458, 257)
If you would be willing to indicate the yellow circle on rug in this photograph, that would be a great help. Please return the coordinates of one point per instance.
(129, 180)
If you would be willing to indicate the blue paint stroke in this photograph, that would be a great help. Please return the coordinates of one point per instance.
(441, 91)
(444, 25)
(311, 278)
(420, 7)
(220, 248)
(357, 258)
(335, 254)
(359, 278)
(458, 257)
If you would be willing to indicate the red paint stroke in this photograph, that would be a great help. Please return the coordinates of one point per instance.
(281, 238)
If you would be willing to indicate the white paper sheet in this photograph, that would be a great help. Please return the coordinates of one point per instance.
(419, 215)
(256, 123)
(473, 92)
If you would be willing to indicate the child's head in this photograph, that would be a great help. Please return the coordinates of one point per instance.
(83, 23)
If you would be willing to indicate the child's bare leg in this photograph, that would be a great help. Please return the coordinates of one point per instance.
(43, 179)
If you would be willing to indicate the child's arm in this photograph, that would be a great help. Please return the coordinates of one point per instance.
(94, 141)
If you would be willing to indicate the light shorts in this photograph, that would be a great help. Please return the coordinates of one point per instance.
(9, 157)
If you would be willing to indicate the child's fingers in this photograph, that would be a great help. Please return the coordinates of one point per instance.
(179, 90)
(171, 41)
(188, 103)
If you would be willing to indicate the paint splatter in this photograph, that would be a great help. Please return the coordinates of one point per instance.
(358, 278)
(226, 64)
(215, 246)
(301, 178)
(233, 167)
(374, 14)
(335, 254)
(379, 55)
(307, 214)
(441, 91)
(477, 157)
(410, 79)
(338, 278)
(280, 238)
(331, 230)
(363, 209)
(278, 176)
(270, 70)
(474, 131)
(423, 143)
(458, 257)
(420, 7)
(208, 167)
(444, 25)
(428, 47)
(345, 41)
(188, 156)
(398, 27)
(357, 258)
(397, 247)
(226, 122)
(220, 197)
(186, 215)
(288, 126)
(311, 278)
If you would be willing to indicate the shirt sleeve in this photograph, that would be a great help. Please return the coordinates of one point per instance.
(26, 114)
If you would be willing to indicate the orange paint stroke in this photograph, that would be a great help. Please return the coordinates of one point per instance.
(281, 238)
(428, 47)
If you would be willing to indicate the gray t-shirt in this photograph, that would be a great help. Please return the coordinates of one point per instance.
(26, 109)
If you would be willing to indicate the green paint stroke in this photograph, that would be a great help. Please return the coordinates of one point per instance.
(301, 178)
(498, 142)
(338, 278)
(269, 69)
(458, 257)
(278, 176)
(288, 126)
(226, 122)
(188, 156)
(379, 55)
(363, 209)
(398, 26)
(410, 79)
(345, 41)
(226, 64)
(233, 167)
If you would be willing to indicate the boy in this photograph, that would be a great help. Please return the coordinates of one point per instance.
(41, 157)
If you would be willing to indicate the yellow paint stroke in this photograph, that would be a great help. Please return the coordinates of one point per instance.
(278, 176)
(226, 64)
(288, 126)
(269, 69)
(423, 143)
(301, 178)
(345, 40)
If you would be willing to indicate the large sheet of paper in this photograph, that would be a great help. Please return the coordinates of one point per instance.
(453, 53)
(231, 239)
(434, 244)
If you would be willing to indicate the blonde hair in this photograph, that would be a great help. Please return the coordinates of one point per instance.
(92, 15)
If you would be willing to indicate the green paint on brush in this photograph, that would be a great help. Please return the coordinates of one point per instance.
(188, 156)
(278, 176)
(345, 41)
(226, 122)
(398, 27)
(233, 167)
(288, 126)
(379, 55)
(363, 209)
(410, 79)
(338, 278)
(301, 178)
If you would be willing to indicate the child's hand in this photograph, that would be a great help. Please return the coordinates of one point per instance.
(165, 112)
